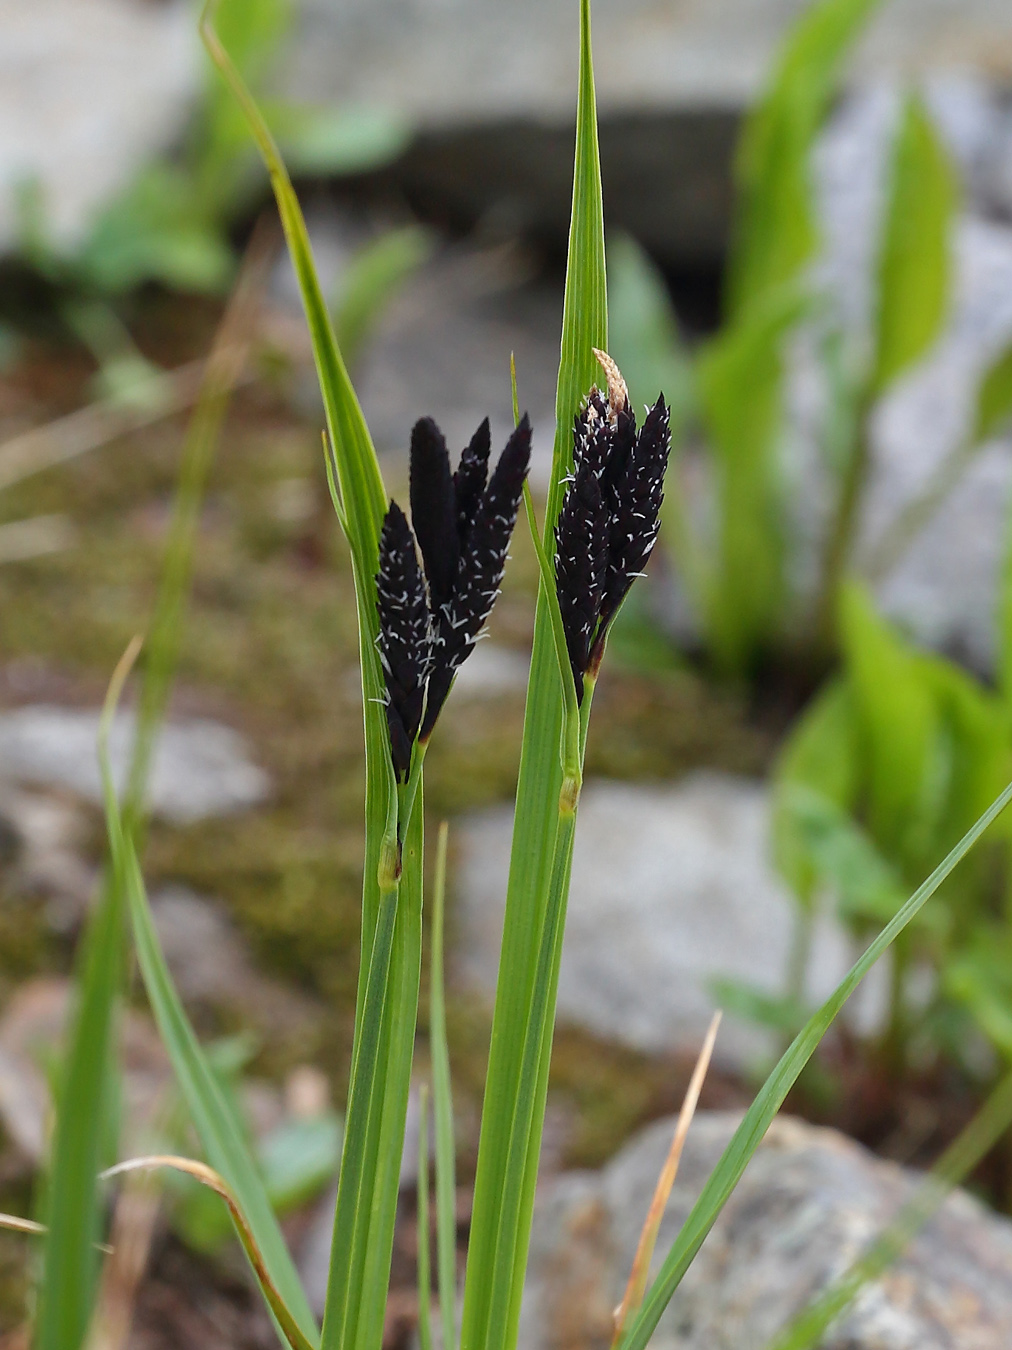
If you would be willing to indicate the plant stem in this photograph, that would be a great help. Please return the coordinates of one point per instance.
(839, 541)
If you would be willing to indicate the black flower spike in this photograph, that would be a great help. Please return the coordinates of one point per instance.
(434, 509)
(635, 517)
(592, 434)
(470, 479)
(405, 634)
(463, 523)
(482, 563)
(608, 523)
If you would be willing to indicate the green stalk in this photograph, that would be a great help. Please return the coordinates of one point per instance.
(532, 863)
(422, 1225)
(387, 1001)
(446, 1184)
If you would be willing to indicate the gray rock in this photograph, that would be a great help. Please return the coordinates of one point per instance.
(809, 1203)
(671, 887)
(491, 670)
(201, 768)
(89, 90)
(455, 61)
(42, 853)
(492, 89)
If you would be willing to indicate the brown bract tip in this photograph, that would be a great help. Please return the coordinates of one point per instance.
(618, 392)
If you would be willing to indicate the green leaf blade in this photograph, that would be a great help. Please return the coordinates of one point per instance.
(750, 1132)
(584, 327)
(775, 233)
(915, 263)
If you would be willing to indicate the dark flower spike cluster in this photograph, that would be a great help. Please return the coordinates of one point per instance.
(610, 514)
(463, 522)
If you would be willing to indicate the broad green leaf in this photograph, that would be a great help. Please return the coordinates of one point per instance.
(994, 398)
(326, 141)
(819, 755)
(980, 978)
(750, 1132)
(775, 231)
(843, 857)
(896, 718)
(915, 262)
(374, 275)
(157, 230)
(740, 390)
(533, 855)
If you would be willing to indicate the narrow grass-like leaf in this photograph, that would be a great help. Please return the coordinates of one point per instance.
(750, 1132)
(915, 263)
(361, 1252)
(446, 1168)
(220, 1132)
(83, 1129)
(584, 327)
(633, 1296)
(775, 231)
(70, 1266)
(958, 1160)
(994, 397)
(84, 1106)
(207, 1176)
(422, 1225)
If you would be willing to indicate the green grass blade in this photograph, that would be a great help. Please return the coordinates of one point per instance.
(73, 1208)
(750, 1132)
(442, 1095)
(994, 397)
(584, 327)
(958, 1160)
(70, 1268)
(775, 232)
(69, 1264)
(915, 263)
(422, 1226)
(356, 1305)
(220, 1132)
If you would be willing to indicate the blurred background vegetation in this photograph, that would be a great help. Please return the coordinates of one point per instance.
(776, 639)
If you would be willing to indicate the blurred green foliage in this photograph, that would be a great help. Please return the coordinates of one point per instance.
(172, 223)
(738, 557)
(889, 764)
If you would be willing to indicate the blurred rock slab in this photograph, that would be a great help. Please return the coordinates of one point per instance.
(89, 90)
(492, 90)
(201, 768)
(809, 1203)
(671, 887)
(456, 61)
(214, 970)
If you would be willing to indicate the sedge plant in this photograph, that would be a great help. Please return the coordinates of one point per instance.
(423, 589)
